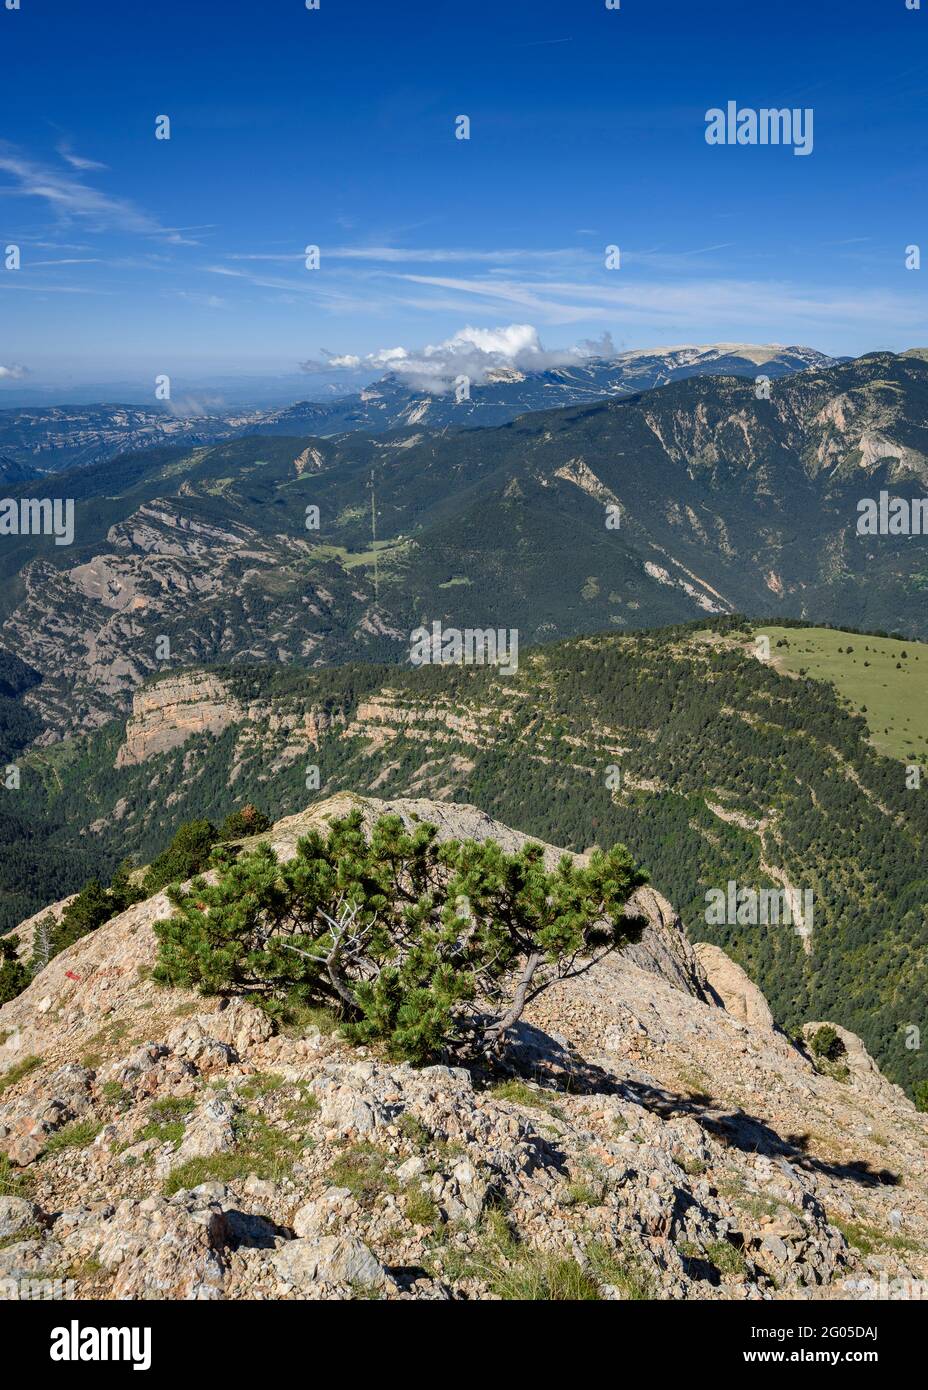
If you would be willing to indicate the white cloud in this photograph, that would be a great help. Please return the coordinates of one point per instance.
(13, 373)
(472, 352)
(70, 198)
(77, 161)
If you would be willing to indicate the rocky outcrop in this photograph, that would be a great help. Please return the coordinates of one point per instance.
(181, 1147)
(863, 1070)
(735, 990)
(169, 711)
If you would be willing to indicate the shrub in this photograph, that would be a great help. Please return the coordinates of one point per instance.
(14, 977)
(186, 855)
(248, 821)
(424, 945)
(827, 1044)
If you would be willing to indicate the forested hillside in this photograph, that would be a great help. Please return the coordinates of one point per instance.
(698, 497)
(707, 762)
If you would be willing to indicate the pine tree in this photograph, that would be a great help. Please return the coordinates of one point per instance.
(429, 946)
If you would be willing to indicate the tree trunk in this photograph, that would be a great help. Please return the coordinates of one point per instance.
(514, 1012)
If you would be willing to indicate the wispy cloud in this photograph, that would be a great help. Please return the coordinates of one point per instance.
(390, 255)
(71, 198)
(687, 300)
(77, 161)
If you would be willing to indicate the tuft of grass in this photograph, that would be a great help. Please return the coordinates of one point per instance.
(420, 1208)
(518, 1273)
(363, 1170)
(27, 1233)
(261, 1084)
(414, 1130)
(622, 1270)
(868, 1239)
(170, 1133)
(13, 1182)
(582, 1194)
(727, 1258)
(518, 1093)
(114, 1093)
(295, 1018)
(167, 1120)
(299, 1111)
(75, 1136)
(261, 1149)
(15, 1074)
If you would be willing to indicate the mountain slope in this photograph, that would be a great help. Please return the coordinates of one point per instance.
(645, 1140)
(723, 502)
(44, 439)
(710, 764)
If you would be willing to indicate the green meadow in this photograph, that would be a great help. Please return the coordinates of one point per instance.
(884, 680)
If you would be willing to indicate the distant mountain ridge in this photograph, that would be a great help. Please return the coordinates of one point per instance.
(47, 439)
(725, 502)
(507, 393)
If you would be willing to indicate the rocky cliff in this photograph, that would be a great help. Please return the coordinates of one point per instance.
(652, 1136)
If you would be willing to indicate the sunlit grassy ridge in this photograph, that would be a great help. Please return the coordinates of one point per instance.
(883, 679)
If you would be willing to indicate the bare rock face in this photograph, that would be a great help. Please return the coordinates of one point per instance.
(166, 713)
(647, 1109)
(737, 992)
(864, 1072)
(343, 1260)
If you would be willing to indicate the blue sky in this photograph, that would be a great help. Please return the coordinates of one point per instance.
(336, 127)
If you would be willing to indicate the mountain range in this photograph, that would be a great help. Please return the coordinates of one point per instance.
(41, 439)
(319, 550)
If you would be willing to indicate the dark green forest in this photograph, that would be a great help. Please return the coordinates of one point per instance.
(686, 714)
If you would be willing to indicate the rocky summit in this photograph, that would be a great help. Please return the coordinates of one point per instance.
(647, 1133)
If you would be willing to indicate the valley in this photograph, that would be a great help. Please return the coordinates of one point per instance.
(728, 770)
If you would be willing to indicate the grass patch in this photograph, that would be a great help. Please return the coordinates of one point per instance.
(583, 1194)
(868, 1239)
(420, 1208)
(114, 1093)
(261, 1149)
(517, 1273)
(27, 1233)
(261, 1084)
(414, 1130)
(295, 1018)
(167, 1120)
(727, 1258)
(75, 1136)
(15, 1074)
(13, 1182)
(890, 690)
(363, 1170)
(304, 1107)
(518, 1093)
(623, 1271)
